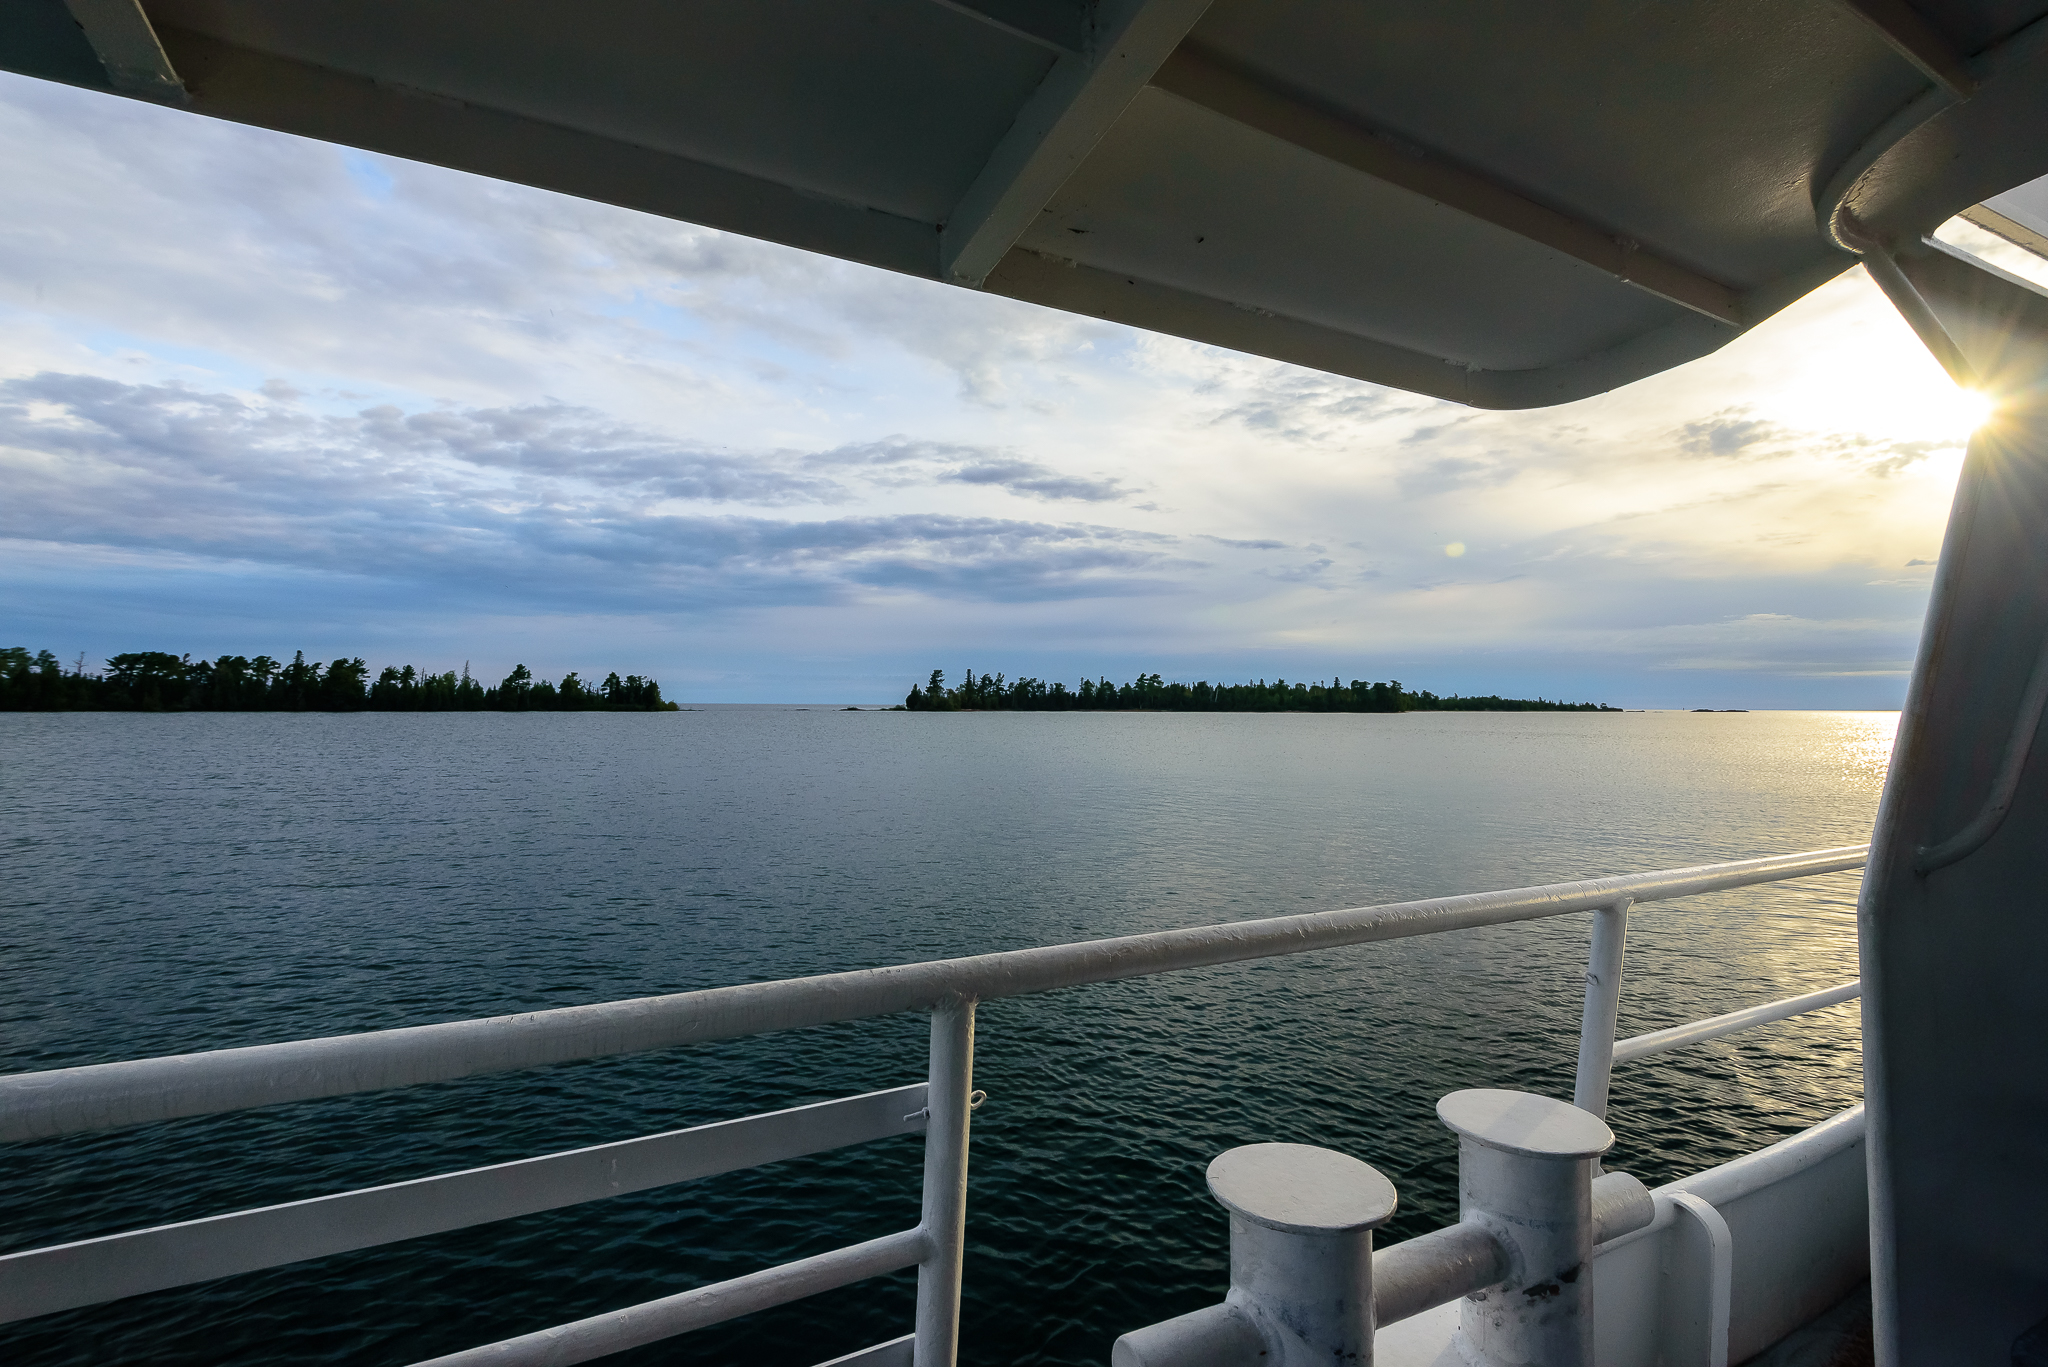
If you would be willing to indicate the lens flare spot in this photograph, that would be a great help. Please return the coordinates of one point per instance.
(1455, 549)
(1966, 410)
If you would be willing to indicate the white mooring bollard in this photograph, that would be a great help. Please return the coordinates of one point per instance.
(1302, 1266)
(1301, 1223)
(1525, 1173)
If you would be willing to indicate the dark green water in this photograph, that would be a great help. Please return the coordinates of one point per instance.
(174, 883)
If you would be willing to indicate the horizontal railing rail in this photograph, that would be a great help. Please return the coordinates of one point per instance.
(110, 1095)
(1678, 1036)
(651, 1321)
(897, 1352)
(44, 1280)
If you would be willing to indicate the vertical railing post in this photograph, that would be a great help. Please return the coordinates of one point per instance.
(945, 1185)
(1603, 1005)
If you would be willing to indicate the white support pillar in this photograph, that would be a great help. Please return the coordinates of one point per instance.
(1603, 1007)
(1951, 935)
(944, 1225)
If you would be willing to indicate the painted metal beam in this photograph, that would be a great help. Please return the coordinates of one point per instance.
(2011, 229)
(1059, 25)
(1883, 268)
(1137, 302)
(1057, 128)
(127, 47)
(1205, 80)
(1901, 26)
(269, 91)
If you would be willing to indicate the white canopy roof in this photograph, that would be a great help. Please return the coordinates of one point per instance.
(1504, 203)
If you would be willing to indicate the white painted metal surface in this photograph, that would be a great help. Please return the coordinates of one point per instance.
(1083, 94)
(1913, 38)
(1808, 1234)
(2020, 216)
(1290, 1299)
(1438, 1268)
(1603, 1005)
(1525, 1174)
(1950, 924)
(1303, 1275)
(1797, 1221)
(108, 1095)
(1301, 1223)
(1485, 204)
(2019, 747)
(1435, 1269)
(41, 1281)
(128, 48)
(1424, 1272)
(1714, 1027)
(1220, 1335)
(944, 1223)
(1493, 202)
(1719, 1246)
(1794, 1217)
(652, 1321)
(1879, 262)
(897, 1352)
(1409, 1278)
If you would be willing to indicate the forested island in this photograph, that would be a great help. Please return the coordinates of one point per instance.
(991, 692)
(156, 681)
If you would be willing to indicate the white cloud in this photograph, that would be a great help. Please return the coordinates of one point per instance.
(227, 348)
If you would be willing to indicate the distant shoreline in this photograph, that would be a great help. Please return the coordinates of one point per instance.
(157, 681)
(1151, 693)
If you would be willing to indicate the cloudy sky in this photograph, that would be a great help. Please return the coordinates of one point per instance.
(259, 394)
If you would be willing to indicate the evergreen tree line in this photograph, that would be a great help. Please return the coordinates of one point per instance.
(991, 692)
(156, 681)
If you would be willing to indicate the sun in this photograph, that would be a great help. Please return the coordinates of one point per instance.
(1959, 409)
(1871, 377)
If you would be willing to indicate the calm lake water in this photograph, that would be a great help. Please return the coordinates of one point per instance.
(188, 882)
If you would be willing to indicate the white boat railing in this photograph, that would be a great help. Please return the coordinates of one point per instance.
(111, 1095)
